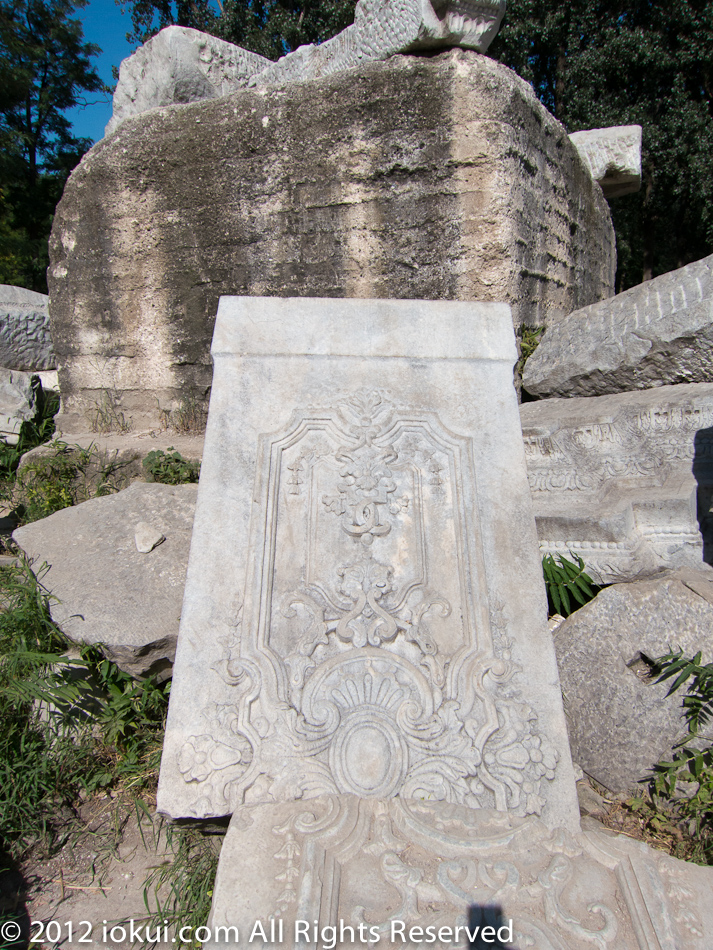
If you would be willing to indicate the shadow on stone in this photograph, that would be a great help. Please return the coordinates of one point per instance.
(703, 473)
(488, 928)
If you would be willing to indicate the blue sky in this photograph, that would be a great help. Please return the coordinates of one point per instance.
(105, 26)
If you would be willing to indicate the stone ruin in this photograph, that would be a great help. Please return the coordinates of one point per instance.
(416, 177)
(364, 677)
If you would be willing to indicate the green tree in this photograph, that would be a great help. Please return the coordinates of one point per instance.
(622, 62)
(45, 68)
(268, 27)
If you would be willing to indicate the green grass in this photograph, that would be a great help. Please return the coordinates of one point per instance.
(105, 730)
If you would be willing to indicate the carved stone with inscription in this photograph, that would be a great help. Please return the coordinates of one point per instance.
(626, 480)
(363, 615)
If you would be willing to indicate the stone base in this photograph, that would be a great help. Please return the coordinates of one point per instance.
(438, 177)
(410, 873)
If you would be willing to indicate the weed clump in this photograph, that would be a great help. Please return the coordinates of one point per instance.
(170, 468)
(66, 476)
(70, 720)
(564, 580)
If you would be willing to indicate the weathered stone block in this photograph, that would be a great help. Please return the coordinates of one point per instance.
(437, 178)
(364, 609)
(613, 156)
(625, 481)
(180, 65)
(177, 66)
(105, 591)
(621, 722)
(25, 340)
(658, 333)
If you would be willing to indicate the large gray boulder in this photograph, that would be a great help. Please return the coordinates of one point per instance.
(658, 333)
(105, 589)
(621, 723)
(25, 340)
(624, 481)
(401, 179)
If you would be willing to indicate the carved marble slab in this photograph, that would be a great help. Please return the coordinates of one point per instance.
(364, 610)
(389, 867)
(626, 480)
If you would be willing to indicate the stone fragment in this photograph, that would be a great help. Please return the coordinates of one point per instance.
(362, 612)
(180, 65)
(625, 481)
(658, 333)
(147, 537)
(613, 156)
(401, 866)
(17, 403)
(382, 29)
(621, 722)
(436, 177)
(177, 66)
(25, 340)
(104, 590)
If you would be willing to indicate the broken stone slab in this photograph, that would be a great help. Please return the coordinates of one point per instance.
(25, 339)
(18, 396)
(409, 873)
(177, 66)
(364, 614)
(181, 65)
(104, 591)
(613, 156)
(383, 29)
(411, 186)
(621, 722)
(624, 481)
(658, 333)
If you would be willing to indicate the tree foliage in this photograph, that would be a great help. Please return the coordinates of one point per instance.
(624, 62)
(45, 67)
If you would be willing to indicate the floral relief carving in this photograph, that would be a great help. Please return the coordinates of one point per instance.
(360, 667)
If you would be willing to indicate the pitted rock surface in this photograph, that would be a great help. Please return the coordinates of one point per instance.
(620, 721)
(25, 339)
(418, 178)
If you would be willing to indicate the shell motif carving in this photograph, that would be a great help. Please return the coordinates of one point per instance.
(364, 664)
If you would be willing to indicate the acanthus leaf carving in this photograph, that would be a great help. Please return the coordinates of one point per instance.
(360, 669)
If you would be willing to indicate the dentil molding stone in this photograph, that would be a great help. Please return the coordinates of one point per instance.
(625, 481)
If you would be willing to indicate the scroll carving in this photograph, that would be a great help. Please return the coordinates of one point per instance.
(366, 664)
